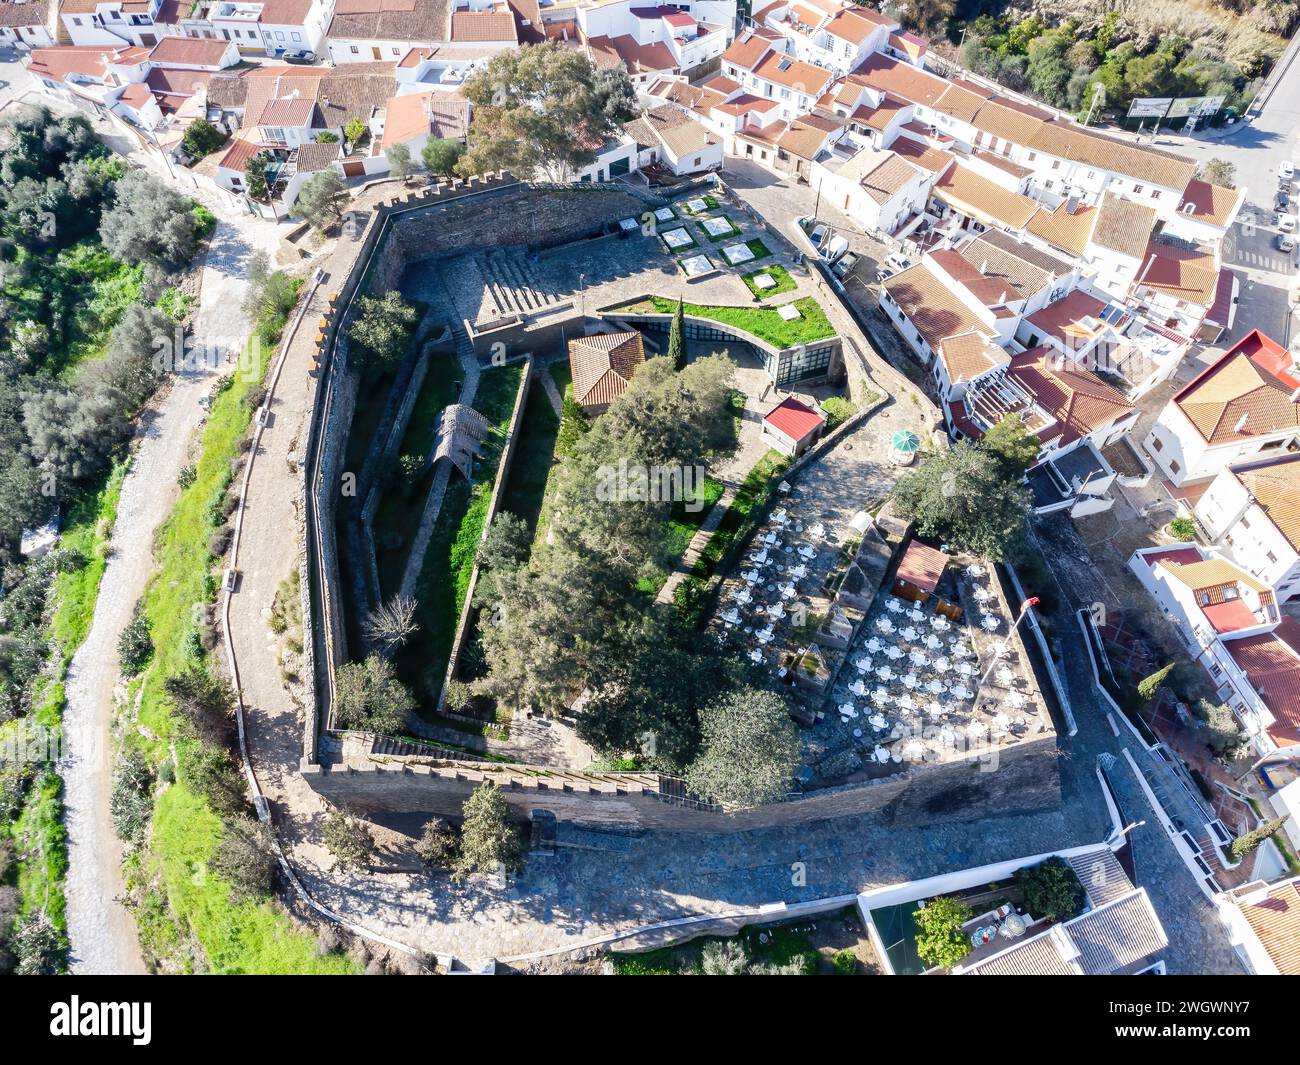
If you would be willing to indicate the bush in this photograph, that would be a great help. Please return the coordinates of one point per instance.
(1183, 529)
(1051, 890)
(131, 800)
(488, 839)
(245, 859)
(349, 840)
(437, 844)
(940, 939)
(201, 138)
(845, 962)
(134, 647)
(838, 410)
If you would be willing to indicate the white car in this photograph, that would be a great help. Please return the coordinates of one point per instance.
(1286, 223)
(1287, 170)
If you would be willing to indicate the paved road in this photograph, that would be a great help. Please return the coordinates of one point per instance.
(1257, 149)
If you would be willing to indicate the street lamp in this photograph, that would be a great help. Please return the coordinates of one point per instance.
(993, 661)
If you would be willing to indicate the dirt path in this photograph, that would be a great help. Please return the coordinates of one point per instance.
(101, 930)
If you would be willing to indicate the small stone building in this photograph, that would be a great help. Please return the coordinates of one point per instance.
(602, 365)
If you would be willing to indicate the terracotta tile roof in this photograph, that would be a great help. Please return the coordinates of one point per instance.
(1075, 144)
(672, 127)
(888, 178)
(796, 420)
(635, 58)
(55, 64)
(418, 114)
(1212, 575)
(391, 20)
(1070, 232)
(987, 291)
(961, 100)
(1001, 162)
(879, 117)
(353, 90)
(1123, 225)
(911, 83)
(238, 155)
(1078, 400)
(935, 160)
(1276, 488)
(1275, 921)
(971, 194)
(136, 95)
(1211, 204)
(746, 102)
(998, 120)
(1184, 273)
(290, 112)
(1064, 319)
(746, 50)
(806, 135)
(933, 308)
(474, 26)
(723, 84)
(855, 26)
(174, 87)
(603, 364)
(921, 566)
(967, 356)
(191, 50)
(313, 158)
(1248, 387)
(793, 74)
(1271, 662)
(15, 15)
(1028, 267)
(906, 41)
(227, 91)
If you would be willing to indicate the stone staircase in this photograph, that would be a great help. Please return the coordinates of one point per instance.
(391, 745)
(512, 284)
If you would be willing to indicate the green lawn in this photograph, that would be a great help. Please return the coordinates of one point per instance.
(683, 524)
(784, 282)
(751, 496)
(563, 377)
(402, 506)
(722, 236)
(760, 250)
(710, 203)
(251, 936)
(531, 465)
(449, 558)
(762, 322)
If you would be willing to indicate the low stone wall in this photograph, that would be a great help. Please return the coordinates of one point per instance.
(1024, 777)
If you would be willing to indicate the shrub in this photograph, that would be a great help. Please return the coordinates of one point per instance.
(437, 844)
(838, 410)
(845, 962)
(134, 646)
(939, 938)
(488, 839)
(131, 800)
(245, 859)
(201, 138)
(349, 840)
(1051, 890)
(1183, 529)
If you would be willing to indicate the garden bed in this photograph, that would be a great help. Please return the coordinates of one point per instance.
(764, 323)
(779, 274)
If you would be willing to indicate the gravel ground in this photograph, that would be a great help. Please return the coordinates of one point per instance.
(100, 928)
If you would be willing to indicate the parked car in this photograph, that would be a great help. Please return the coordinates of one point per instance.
(1287, 171)
(1286, 223)
(834, 248)
(818, 234)
(1285, 242)
(1280, 204)
(300, 56)
(846, 265)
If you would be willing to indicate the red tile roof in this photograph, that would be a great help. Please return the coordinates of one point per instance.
(1253, 380)
(190, 50)
(922, 566)
(794, 419)
(1271, 662)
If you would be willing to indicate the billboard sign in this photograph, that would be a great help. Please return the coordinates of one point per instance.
(1149, 107)
(1201, 106)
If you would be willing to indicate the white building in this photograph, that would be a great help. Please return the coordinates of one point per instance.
(113, 23)
(1245, 406)
(1263, 923)
(1230, 623)
(26, 23)
(1251, 512)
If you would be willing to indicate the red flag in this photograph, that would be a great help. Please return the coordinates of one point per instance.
(1031, 601)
